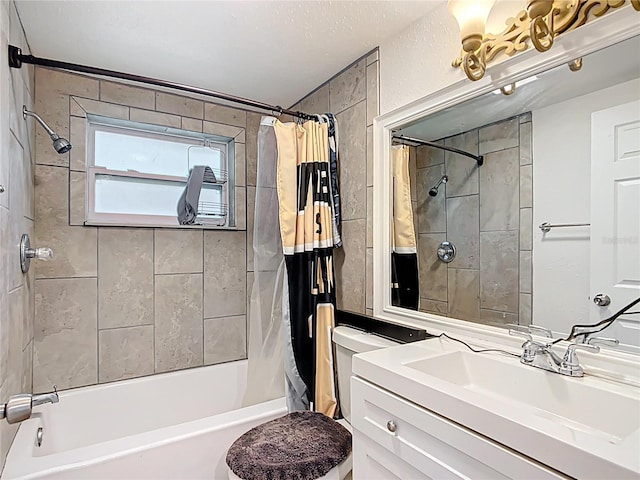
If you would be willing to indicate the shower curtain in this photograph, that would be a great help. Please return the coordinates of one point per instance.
(265, 376)
(304, 184)
(404, 258)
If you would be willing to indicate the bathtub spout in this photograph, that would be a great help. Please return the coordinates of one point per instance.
(44, 398)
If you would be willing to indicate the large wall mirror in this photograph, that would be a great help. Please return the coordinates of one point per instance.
(562, 148)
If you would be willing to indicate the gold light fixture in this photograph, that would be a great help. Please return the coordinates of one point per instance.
(539, 24)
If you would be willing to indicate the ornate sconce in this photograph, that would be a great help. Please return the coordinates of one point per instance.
(539, 23)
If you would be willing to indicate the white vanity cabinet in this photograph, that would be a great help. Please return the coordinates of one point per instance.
(395, 438)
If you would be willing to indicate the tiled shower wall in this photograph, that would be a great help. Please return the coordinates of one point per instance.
(16, 218)
(487, 213)
(353, 96)
(124, 302)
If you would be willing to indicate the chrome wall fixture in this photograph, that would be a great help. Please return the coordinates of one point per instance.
(60, 144)
(446, 252)
(546, 226)
(539, 24)
(27, 253)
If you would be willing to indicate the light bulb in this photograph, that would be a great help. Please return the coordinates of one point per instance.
(472, 18)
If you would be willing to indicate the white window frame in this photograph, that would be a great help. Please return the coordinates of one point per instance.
(97, 123)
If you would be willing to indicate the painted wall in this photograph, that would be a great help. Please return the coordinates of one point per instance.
(16, 218)
(562, 194)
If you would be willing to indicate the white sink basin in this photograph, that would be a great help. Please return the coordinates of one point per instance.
(584, 427)
(576, 405)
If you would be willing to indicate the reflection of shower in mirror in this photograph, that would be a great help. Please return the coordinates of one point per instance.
(434, 191)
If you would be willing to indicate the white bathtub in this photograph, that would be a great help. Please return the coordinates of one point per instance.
(173, 426)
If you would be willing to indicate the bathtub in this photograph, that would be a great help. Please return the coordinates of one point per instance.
(176, 425)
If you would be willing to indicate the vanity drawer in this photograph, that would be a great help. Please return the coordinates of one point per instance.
(431, 444)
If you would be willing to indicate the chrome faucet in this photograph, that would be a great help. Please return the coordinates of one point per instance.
(19, 407)
(540, 355)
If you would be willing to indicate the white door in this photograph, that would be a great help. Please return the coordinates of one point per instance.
(615, 216)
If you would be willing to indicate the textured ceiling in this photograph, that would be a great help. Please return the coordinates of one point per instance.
(271, 51)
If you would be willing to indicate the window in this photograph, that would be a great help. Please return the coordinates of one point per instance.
(137, 172)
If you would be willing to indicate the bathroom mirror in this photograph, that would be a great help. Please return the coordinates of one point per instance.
(563, 148)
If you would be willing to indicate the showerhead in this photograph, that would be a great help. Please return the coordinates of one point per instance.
(434, 191)
(60, 144)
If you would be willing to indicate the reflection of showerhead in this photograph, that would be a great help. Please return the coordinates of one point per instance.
(60, 144)
(434, 191)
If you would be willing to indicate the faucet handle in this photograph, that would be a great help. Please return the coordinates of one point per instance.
(544, 332)
(608, 342)
(570, 363)
(520, 333)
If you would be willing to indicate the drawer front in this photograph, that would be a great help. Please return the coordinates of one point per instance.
(432, 444)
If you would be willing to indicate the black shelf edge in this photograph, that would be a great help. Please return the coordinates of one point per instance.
(391, 331)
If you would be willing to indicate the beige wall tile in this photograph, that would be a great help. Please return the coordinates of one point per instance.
(369, 155)
(431, 211)
(81, 106)
(526, 186)
(251, 208)
(74, 247)
(178, 251)
(125, 353)
(353, 164)
(317, 102)
(191, 124)
(499, 136)
(27, 369)
(493, 317)
(372, 92)
(179, 105)
(224, 274)
(178, 323)
(499, 261)
(57, 81)
(462, 171)
(78, 136)
(525, 309)
(77, 186)
(54, 109)
(241, 208)
(525, 272)
(369, 217)
(499, 191)
(65, 338)
(369, 278)
(240, 165)
(526, 229)
(253, 125)
(525, 143)
(348, 88)
(372, 57)
(226, 115)
(433, 272)
(429, 156)
(224, 130)
(350, 267)
(463, 229)
(225, 339)
(125, 269)
(432, 306)
(121, 94)
(464, 294)
(155, 118)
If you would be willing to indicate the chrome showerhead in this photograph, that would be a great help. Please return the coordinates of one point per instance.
(60, 144)
(434, 191)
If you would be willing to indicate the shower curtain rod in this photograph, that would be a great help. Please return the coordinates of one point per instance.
(477, 158)
(16, 59)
